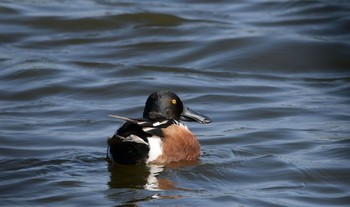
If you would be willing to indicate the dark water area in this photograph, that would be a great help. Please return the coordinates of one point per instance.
(274, 76)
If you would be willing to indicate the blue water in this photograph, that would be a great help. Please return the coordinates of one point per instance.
(274, 76)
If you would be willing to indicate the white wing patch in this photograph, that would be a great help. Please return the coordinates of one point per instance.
(155, 148)
(146, 129)
(155, 126)
(159, 123)
(134, 138)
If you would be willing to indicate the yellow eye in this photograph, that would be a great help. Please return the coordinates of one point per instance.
(173, 101)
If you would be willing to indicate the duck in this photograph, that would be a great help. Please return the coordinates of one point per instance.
(159, 137)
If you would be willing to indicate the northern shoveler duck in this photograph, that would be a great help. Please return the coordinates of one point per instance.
(159, 137)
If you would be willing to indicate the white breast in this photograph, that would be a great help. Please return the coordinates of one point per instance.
(155, 148)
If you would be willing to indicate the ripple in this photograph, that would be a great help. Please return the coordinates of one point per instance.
(272, 75)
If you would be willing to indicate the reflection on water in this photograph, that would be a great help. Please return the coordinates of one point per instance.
(144, 176)
(130, 176)
(273, 75)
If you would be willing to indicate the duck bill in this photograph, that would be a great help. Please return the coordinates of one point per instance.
(190, 115)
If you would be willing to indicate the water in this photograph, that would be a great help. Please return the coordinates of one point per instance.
(273, 75)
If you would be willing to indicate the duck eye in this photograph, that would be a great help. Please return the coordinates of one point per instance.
(173, 101)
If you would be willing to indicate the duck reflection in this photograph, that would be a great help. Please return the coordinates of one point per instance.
(144, 176)
(128, 176)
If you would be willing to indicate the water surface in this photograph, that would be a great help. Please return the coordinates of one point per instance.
(273, 75)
